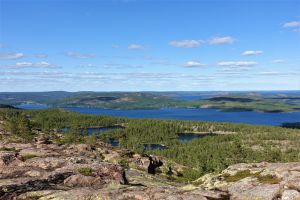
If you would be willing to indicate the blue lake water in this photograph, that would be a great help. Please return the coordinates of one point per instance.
(96, 129)
(185, 137)
(201, 114)
(154, 147)
(197, 114)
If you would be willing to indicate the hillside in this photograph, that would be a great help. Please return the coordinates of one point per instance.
(229, 101)
(37, 161)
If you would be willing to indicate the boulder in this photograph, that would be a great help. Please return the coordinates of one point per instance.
(8, 158)
(294, 183)
(290, 195)
(79, 180)
(109, 172)
(249, 192)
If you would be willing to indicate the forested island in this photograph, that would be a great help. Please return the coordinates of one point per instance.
(223, 101)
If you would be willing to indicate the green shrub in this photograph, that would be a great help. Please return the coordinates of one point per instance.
(86, 171)
(188, 175)
(124, 164)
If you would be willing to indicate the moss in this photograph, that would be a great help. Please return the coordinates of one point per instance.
(238, 176)
(198, 182)
(28, 156)
(86, 171)
(8, 149)
(268, 179)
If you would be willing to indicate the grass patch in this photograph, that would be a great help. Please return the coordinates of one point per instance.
(28, 156)
(188, 175)
(86, 171)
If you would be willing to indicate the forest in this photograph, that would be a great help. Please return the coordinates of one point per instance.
(225, 144)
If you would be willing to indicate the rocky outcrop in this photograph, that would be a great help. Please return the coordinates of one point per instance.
(257, 181)
(33, 167)
(43, 170)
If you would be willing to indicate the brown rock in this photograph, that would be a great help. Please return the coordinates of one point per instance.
(79, 180)
(110, 172)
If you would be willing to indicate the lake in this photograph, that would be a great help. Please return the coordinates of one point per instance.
(93, 130)
(148, 147)
(197, 114)
(182, 137)
(185, 137)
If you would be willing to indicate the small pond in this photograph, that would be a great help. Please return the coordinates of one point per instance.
(185, 137)
(148, 147)
(93, 130)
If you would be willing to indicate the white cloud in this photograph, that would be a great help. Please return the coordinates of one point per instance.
(186, 43)
(193, 64)
(24, 64)
(135, 46)
(237, 63)
(252, 53)
(268, 73)
(221, 40)
(11, 56)
(278, 61)
(292, 24)
(88, 65)
(79, 55)
(42, 64)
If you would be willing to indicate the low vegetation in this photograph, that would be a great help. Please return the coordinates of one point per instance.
(265, 179)
(28, 156)
(86, 171)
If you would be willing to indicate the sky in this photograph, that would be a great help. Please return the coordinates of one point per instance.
(128, 45)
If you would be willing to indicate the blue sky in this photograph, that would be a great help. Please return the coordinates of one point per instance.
(149, 45)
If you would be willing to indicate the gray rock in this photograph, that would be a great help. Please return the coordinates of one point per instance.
(290, 195)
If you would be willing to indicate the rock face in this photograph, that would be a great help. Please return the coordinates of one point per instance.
(32, 167)
(43, 170)
(261, 181)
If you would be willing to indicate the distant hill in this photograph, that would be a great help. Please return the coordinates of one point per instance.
(7, 106)
(231, 99)
(15, 98)
(225, 101)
